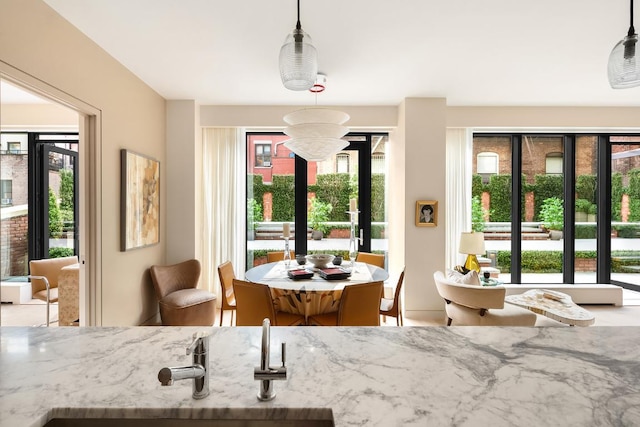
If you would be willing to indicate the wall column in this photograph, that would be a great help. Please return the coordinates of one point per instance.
(424, 129)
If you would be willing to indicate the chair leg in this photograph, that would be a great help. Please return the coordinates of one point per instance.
(47, 313)
(221, 314)
(449, 319)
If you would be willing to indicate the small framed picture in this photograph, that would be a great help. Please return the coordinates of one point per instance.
(426, 213)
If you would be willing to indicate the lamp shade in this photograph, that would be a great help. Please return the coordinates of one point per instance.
(471, 243)
(298, 61)
(624, 64)
(316, 133)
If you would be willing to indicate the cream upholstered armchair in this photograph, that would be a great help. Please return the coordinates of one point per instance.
(474, 305)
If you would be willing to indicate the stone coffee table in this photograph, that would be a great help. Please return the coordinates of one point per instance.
(554, 305)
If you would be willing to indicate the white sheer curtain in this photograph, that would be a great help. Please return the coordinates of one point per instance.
(224, 207)
(458, 185)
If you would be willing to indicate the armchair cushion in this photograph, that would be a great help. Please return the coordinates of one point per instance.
(470, 278)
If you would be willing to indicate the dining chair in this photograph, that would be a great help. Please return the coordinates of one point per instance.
(181, 302)
(359, 306)
(392, 307)
(44, 275)
(278, 256)
(254, 303)
(228, 302)
(369, 258)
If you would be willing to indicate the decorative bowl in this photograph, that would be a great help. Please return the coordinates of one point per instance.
(320, 260)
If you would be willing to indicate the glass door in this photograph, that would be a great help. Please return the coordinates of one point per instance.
(625, 211)
(314, 197)
(53, 219)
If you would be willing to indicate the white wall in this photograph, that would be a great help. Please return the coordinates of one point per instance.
(36, 42)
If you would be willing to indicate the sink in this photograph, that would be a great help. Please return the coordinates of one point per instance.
(234, 417)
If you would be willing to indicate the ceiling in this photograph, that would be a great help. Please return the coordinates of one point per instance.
(374, 52)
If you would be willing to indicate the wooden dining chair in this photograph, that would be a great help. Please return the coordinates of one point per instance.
(359, 306)
(278, 256)
(392, 307)
(254, 303)
(228, 302)
(369, 258)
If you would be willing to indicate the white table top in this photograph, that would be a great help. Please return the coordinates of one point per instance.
(274, 275)
(554, 305)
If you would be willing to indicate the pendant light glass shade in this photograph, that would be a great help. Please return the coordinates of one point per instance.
(624, 65)
(316, 133)
(298, 59)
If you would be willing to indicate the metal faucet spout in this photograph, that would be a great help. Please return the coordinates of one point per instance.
(199, 371)
(264, 373)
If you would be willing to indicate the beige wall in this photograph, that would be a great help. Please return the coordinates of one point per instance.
(36, 42)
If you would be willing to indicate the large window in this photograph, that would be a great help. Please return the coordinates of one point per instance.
(314, 197)
(553, 212)
(263, 154)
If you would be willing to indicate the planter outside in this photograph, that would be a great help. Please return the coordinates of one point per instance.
(555, 234)
(316, 235)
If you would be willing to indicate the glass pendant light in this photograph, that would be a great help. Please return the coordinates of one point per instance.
(624, 65)
(298, 59)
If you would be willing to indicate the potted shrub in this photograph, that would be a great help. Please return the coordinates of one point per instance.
(318, 216)
(552, 217)
(582, 209)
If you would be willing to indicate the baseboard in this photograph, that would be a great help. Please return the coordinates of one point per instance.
(579, 293)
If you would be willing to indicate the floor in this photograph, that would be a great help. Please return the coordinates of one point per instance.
(34, 314)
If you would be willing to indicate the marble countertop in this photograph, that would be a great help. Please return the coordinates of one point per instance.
(387, 376)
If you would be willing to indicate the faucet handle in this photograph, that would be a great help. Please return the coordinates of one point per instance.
(284, 352)
(200, 342)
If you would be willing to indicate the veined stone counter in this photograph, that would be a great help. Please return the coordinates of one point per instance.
(388, 376)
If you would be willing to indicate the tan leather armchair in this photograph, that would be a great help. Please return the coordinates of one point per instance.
(472, 305)
(181, 303)
(279, 256)
(393, 307)
(228, 302)
(369, 258)
(254, 303)
(359, 306)
(44, 275)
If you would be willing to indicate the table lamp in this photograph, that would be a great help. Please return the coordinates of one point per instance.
(471, 244)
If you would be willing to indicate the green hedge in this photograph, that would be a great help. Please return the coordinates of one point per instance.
(283, 191)
(551, 261)
(586, 187)
(617, 190)
(60, 252)
(477, 187)
(500, 189)
(585, 231)
(334, 189)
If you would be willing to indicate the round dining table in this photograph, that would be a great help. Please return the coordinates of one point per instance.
(310, 296)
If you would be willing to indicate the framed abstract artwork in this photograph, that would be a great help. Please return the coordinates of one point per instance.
(139, 201)
(426, 213)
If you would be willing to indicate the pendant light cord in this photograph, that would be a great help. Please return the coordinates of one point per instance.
(299, 27)
(631, 32)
